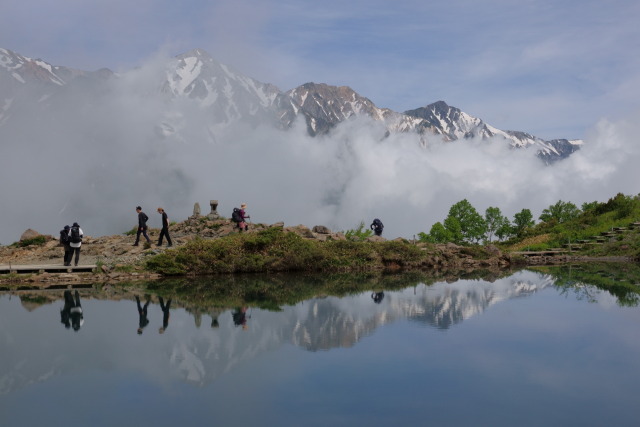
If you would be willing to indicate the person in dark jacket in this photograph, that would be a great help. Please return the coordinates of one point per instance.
(64, 241)
(377, 227)
(165, 228)
(142, 226)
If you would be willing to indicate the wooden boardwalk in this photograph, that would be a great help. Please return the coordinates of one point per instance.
(45, 268)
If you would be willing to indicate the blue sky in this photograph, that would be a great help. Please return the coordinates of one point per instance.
(552, 68)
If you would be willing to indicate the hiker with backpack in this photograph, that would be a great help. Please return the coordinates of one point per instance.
(377, 227)
(75, 241)
(142, 226)
(239, 215)
(64, 241)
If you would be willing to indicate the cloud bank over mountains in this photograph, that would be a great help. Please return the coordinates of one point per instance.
(95, 148)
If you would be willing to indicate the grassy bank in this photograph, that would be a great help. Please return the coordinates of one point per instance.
(600, 229)
(274, 250)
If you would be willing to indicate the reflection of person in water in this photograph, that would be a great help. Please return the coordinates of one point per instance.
(240, 317)
(71, 314)
(142, 313)
(214, 313)
(165, 314)
(377, 297)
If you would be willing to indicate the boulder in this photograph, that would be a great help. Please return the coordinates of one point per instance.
(493, 250)
(29, 234)
(301, 230)
(321, 229)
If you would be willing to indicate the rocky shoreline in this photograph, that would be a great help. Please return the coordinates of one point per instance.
(117, 260)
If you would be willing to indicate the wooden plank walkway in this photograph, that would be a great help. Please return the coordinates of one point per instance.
(45, 268)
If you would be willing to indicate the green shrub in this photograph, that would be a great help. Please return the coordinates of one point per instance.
(358, 234)
(34, 241)
(131, 232)
(166, 264)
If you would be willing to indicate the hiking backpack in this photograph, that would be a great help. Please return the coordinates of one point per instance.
(74, 235)
(235, 216)
(378, 224)
(64, 237)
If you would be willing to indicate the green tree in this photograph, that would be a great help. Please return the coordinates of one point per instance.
(560, 212)
(454, 230)
(623, 205)
(522, 221)
(472, 225)
(439, 234)
(424, 237)
(589, 206)
(494, 221)
(505, 231)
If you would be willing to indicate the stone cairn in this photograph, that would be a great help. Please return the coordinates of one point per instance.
(211, 215)
(196, 211)
(214, 210)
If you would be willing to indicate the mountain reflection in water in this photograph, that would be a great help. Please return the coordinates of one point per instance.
(174, 340)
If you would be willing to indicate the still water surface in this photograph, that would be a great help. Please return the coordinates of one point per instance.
(521, 350)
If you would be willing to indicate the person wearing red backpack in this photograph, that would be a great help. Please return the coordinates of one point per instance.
(243, 224)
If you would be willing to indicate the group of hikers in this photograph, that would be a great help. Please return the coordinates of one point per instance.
(142, 227)
(71, 240)
(71, 237)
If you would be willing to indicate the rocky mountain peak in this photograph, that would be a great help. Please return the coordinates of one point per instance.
(324, 106)
(225, 96)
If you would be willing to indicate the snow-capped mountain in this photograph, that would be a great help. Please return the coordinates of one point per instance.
(324, 106)
(224, 96)
(229, 95)
(454, 124)
(27, 83)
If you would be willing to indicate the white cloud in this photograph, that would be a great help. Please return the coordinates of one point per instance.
(548, 68)
(94, 162)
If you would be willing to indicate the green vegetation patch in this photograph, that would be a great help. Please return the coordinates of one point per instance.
(274, 250)
(34, 241)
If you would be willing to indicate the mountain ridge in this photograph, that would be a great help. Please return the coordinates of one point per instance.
(227, 97)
